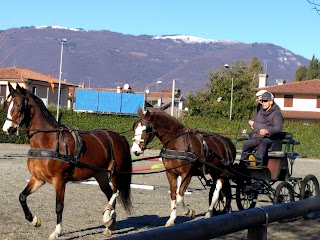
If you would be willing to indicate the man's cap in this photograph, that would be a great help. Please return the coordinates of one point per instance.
(259, 93)
(267, 96)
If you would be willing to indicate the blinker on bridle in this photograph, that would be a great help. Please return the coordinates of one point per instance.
(149, 130)
(22, 108)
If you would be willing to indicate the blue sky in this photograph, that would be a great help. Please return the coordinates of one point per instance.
(291, 24)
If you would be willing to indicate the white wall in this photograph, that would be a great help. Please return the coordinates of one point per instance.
(299, 104)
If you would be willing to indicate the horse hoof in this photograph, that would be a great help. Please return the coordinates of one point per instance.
(107, 232)
(36, 221)
(191, 214)
(53, 236)
(169, 224)
(113, 225)
(208, 214)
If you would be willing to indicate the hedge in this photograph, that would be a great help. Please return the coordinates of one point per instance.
(307, 135)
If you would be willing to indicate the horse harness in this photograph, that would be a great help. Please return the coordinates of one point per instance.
(190, 155)
(65, 157)
(205, 153)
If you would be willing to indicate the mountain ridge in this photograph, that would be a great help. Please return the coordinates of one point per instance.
(108, 59)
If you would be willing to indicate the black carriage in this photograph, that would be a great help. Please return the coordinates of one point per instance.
(188, 152)
(270, 180)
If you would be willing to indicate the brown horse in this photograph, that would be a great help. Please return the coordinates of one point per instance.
(186, 153)
(59, 154)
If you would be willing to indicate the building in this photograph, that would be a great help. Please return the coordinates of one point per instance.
(43, 86)
(299, 101)
(162, 101)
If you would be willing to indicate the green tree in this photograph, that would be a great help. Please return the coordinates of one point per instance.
(301, 74)
(214, 100)
(313, 71)
(254, 69)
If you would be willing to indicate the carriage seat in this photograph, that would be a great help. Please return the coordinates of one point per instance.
(280, 147)
(276, 164)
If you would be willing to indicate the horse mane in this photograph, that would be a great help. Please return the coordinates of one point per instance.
(171, 122)
(43, 110)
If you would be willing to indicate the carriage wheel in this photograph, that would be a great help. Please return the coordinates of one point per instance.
(309, 189)
(284, 193)
(246, 196)
(223, 205)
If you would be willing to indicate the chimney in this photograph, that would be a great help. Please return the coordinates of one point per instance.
(280, 81)
(262, 80)
(83, 85)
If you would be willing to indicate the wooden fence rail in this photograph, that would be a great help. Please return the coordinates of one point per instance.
(255, 220)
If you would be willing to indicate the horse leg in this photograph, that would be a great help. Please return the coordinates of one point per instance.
(185, 181)
(60, 187)
(33, 185)
(173, 194)
(215, 197)
(109, 212)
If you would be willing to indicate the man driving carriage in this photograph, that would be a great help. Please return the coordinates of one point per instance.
(267, 124)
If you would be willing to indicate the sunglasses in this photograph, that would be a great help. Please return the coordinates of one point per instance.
(264, 100)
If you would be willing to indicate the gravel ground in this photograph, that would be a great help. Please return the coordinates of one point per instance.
(82, 216)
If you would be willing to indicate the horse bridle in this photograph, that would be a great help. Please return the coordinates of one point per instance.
(22, 109)
(148, 132)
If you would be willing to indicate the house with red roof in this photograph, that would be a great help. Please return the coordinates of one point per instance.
(44, 86)
(162, 101)
(299, 101)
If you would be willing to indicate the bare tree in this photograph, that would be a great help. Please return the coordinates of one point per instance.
(316, 5)
(6, 53)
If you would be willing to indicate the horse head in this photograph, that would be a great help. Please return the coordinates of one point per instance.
(17, 108)
(144, 132)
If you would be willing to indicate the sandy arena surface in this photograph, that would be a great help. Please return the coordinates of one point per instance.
(82, 216)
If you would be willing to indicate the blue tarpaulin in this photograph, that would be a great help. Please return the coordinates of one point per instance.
(108, 102)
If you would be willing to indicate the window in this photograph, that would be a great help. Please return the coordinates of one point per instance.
(318, 101)
(34, 90)
(288, 100)
(3, 95)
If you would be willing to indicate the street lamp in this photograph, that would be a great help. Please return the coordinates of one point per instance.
(172, 97)
(62, 41)
(89, 78)
(231, 97)
(146, 90)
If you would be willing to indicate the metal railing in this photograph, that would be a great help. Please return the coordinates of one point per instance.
(256, 220)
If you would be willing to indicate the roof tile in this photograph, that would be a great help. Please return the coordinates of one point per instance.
(303, 87)
(16, 73)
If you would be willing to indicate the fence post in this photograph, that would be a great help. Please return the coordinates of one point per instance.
(257, 233)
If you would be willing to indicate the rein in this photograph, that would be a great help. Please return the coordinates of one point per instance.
(146, 158)
(160, 171)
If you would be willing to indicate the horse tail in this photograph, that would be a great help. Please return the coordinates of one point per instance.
(124, 176)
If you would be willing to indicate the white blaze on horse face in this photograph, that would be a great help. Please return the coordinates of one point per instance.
(137, 139)
(7, 124)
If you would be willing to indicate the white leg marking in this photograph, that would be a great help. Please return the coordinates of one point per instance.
(57, 232)
(173, 214)
(36, 221)
(215, 198)
(180, 202)
(110, 213)
(186, 210)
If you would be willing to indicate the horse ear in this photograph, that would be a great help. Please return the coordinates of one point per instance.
(11, 89)
(20, 89)
(140, 112)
